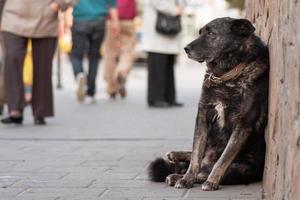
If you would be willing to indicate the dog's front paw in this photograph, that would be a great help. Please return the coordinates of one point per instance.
(171, 156)
(172, 179)
(184, 183)
(209, 186)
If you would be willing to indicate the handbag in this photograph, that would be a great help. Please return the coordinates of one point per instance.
(167, 24)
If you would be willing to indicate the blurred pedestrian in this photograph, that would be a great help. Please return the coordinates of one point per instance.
(35, 20)
(119, 50)
(87, 36)
(1, 81)
(162, 50)
(1, 63)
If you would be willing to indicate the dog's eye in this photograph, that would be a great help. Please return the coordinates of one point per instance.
(210, 33)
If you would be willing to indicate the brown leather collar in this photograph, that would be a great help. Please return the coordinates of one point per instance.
(214, 80)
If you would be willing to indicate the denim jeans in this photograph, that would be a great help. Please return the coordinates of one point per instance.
(87, 37)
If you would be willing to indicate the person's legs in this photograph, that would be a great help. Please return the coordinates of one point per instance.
(170, 82)
(15, 50)
(80, 32)
(79, 41)
(1, 88)
(1, 75)
(126, 59)
(156, 77)
(95, 40)
(127, 41)
(110, 60)
(42, 95)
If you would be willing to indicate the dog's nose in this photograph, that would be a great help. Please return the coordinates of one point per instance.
(186, 49)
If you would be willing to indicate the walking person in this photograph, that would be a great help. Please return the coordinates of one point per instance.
(1, 74)
(35, 20)
(87, 35)
(1, 63)
(119, 51)
(162, 51)
(1, 84)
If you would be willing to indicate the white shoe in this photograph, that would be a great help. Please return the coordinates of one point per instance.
(89, 100)
(81, 87)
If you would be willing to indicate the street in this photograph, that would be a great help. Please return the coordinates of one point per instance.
(102, 151)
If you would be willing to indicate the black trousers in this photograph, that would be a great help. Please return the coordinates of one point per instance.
(42, 55)
(161, 82)
(87, 36)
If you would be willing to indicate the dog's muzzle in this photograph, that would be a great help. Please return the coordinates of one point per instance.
(192, 55)
(187, 49)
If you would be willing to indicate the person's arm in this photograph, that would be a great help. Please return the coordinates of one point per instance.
(2, 2)
(113, 13)
(62, 5)
(115, 25)
(68, 19)
(167, 7)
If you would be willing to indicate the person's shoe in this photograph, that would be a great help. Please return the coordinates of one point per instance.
(123, 92)
(81, 81)
(89, 100)
(121, 84)
(176, 104)
(39, 121)
(159, 104)
(12, 120)
(112, 95)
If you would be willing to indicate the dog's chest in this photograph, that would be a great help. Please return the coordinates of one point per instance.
(220, 114)
(224, 103)
(216, 114)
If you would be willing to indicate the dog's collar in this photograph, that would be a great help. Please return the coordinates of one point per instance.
(214, 80)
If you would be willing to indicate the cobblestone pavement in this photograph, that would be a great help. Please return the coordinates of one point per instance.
(102, 151)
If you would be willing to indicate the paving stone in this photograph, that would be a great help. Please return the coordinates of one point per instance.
(99, 183)
(63, 183)
(10, 193)
(61, 193)
(6, 181)
(183, 198)
(74, 169)
(142, 192)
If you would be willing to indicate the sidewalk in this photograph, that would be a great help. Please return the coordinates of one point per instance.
(102, 151)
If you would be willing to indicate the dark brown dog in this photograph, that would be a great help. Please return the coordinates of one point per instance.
(228, 144)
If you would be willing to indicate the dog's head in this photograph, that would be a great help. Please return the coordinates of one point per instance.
(219, 37)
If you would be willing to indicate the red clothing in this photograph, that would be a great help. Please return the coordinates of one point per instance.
(126, 9)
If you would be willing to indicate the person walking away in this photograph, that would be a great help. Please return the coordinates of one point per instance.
(35, 20)
(87, 36)
(1, 87)
(1, 63)
(119, 51)
(162, 50)
(1, 76)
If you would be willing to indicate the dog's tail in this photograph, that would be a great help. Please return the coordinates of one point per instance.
(159, 169)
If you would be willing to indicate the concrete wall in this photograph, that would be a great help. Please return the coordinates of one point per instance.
(278, 23)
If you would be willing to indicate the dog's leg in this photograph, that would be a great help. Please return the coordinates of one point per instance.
(184, 156)
(234, 145)
(178, 157)
(173, 178)
(201, 177)
(199, 144)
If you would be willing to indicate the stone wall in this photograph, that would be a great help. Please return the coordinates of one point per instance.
(278, 23)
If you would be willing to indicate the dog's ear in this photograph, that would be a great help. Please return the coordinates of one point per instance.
(242, 27)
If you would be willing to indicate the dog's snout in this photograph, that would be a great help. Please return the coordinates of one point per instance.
(186, 49)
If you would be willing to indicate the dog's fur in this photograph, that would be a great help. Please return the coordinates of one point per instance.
(228, 144)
